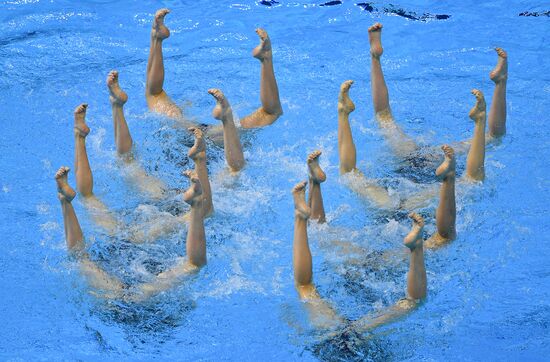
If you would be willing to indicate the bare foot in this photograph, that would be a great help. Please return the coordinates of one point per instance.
(345, 104)
(65, 192)
(160, 31)
(477, 113)
(301, 209)
(263, 50)
(315, 173)
(117, 96)
(413, 239)
(80, 127)
(447, 168)
(222, 109)
(193, 193)
(500, 72)
(375, 39)
(198, 151)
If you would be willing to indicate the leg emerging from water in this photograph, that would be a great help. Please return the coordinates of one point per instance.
(322, 315)
(416, 282)
(316, 177)
(195, 243)
(73, 232)
(232, 143)
(198, 154)
(446, 211)
(475, 163)
(401, 144)
(118, 98)
(416, 279)
(269, 92)
(497, 113)
(346, 147)
(96, 276)
(151, 186)
(84, 179)
(157, 99)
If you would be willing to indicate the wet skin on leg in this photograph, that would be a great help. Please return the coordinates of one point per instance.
(401, 144)
(321, 314)
(96, 277)
(475, 163)
(195, 243)
(346, 147)
(147, 184)
(118, 98)
(446, 211)
(316, 177)
(232, 143)
(84, 180)
(416, 282)
(198, 154)
(497, 112)
(271, 108)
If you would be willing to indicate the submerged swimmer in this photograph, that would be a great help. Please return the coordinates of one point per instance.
(322, 315)
(84, 179)
(364, 186)
(147, 184)
(96, 276)
(195, 244)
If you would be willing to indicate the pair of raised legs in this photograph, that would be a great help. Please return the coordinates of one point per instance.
(158, 100)
(402, 144)
(321, 313)
(98, 278)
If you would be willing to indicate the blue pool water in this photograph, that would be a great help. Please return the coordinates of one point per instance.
(488, 291)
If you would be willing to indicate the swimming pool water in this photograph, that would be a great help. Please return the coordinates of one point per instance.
(488, 291)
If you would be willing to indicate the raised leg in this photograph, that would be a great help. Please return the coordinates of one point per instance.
(475, 163)
(416, 283)
(497, 113)
(416, 278)
(84, 180)
(96, 277)
(346, 147)
(118, 98)
(446, 211)
(269, 92)
(157, 99)
(195, 244)
(321, 313)
(232, 143)
(198, 154)
(401, 144)
(73, 232)
(316, 177)
(83, 172)
(196, 238)
(301, 255)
